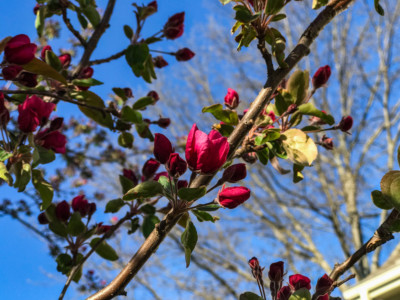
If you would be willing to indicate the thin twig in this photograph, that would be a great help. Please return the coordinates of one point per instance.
(266, 55)
(107, 59)
(71, 28)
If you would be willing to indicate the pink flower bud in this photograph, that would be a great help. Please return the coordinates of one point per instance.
(299, 281)
(63, 211)
(154, 95)
(321, 76)
(159, 62)
(345, 124)
(324, 285)
(206, 153)
(43, 219)
(158, 175)
(176, 166)
(150, 168)
(316, 120)
(19, 50)
(130, 175)
(11, 72)
(43, 52)
(327, 143)
(232, 99)
(27, 79)
(53, 140)
(276, 271)
(4, 113)
(284, 293)
(65, 60)
(256, 270)
(162, 148)
(174, 26)
(164, 122)
(182, 184)
(184, 54)
(33, 112)
(232, 197)
(235, 173)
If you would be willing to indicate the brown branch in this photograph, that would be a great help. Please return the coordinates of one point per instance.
(94, 40)
(266, 55)
(380, 237)
(159, 233)
(107, 59)
(71, 28)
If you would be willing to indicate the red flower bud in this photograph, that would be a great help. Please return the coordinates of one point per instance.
(92, 208)
(86, 73)
(321, 76)
(11, 72)
(182, 184)
(276, 271)
(53, 140)
(80, 204)
(130, 175)
(101, 229)
(150, 168)
(326, 142)
(159, 62)
(345, 124)
(256, 270)
(299, 281)
(206, 153)
(158, 175)
(36, 8)
(154, 95)
(56, 124)
(43, 219)
(235, 173)
(43, 52)
(63, 211)
(163, 122)
(33, 112)
(128, 92)
(184, 54)
(4, 113)
(324, 285)
(174, 26)
(162, 148)
(232, 99)
(251, 2)
(27, 79)
(232, 197)
(19, 50)
(176, 166)
(153, 4)
(284, 293)
(65, 60)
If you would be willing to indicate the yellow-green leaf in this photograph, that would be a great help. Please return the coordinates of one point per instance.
(300, 148)
(41, 68)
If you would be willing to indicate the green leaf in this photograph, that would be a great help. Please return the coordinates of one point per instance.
(297, 85)
(190, 194)
(104, 250)
(86, 82)
(130, 115)
(90, 98)
(5, 175)
(134, 225)
(210, 207)
(59, 228)
(249, 296)
(42, 156)
(225, 130)
(4, 155)
(297, 175)
(75, 224)
(148, 209)
(126, 184)
(390, 187)
(82, 20)
(379, 8)
(319, 3)
(52, 59)
(125, 139)
(3, 43)
(44, 189)
(39, 21)
(136, 56)
(282, 103)
(301, 294)
(263, 156)
(115, 205)
(395, 226)
(149, 223)
(380, 200)
(143, 102)
(128, 31)
(248, 34)
(244, 15)
(78, 275)
(204, 216)
(39, 67)
(274, 6)
(398, 155)
(189, 240)
(227, 116)
(22, 175)
(278, 17)
(146, 189)
(300, 148)
(310, 110)
(92, 14)
(64, 263)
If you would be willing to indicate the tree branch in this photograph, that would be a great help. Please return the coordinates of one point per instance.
(107, 59)
(71, 28)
